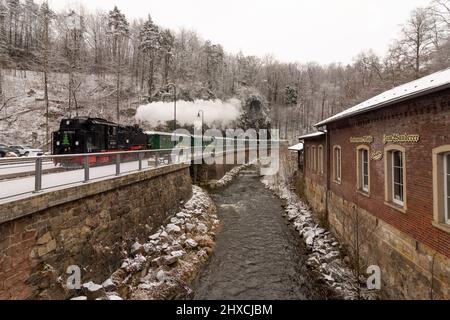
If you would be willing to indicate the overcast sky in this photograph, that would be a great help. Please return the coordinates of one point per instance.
(292, 30)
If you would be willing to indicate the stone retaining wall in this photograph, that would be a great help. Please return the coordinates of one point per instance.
(409, 269)
(88, 225)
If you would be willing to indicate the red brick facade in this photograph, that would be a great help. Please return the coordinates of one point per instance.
(429, 117)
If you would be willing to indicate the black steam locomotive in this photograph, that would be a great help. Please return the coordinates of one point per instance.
(92, 135)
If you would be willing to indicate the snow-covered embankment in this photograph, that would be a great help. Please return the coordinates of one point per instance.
(163, 267)
(326, 257)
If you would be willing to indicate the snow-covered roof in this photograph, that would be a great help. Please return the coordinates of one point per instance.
(426, 85)
(297, 147)
(313, 135)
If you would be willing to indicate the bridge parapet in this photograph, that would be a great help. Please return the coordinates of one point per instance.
(88, 225)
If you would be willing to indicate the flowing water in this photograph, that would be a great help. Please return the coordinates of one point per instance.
(257, 255)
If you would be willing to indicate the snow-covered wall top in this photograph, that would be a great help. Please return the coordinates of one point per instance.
(313, 135)
(435, 81)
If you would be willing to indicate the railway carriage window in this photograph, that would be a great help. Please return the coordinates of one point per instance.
(395, 176)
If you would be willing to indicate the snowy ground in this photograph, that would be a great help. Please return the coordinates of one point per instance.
(23, 168)
(23, 121)
(23, 187)
(326, 256)
(228, 177)
(163, 267)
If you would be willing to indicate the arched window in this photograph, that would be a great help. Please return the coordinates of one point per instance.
(363, 169)
(320, 159)
(395, 177)
(441, 186)
(337, 163)
(314, 159)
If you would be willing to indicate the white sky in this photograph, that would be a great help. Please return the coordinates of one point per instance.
(292, 30)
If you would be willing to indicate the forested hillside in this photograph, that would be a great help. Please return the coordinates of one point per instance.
(95, 63)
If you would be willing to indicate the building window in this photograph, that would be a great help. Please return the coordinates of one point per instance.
(313, 160)
(441, 187)
(363, 167)
(337, 164)
(320, 159)
(395, 176)
(306, 158)
(447, 188)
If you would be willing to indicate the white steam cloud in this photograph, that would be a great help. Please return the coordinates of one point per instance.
(216, 112)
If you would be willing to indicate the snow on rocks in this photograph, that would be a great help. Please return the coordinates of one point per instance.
(325, 252)
(173, 228)
(229, 176)
(191, 244)
(93, 291)
(171, 257)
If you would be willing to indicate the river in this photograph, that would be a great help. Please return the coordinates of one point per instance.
(258, 256)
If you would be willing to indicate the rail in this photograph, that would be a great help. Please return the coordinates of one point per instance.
(35, 174)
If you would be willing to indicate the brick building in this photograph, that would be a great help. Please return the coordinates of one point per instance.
(379, 175)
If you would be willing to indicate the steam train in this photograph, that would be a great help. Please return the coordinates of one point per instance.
(82, 135)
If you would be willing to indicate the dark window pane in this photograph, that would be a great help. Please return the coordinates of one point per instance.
(448, 209)
(398, 192)
(366, 181)
(398, 161)
(448, 164)
(397, 175)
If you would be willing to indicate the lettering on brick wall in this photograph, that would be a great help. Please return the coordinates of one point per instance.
(365, 139)
(400, 138)
(377, 155)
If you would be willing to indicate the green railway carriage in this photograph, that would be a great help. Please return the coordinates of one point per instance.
(160, 140)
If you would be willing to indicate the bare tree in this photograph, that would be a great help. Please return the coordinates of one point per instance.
(418, 40)
(45, 17)
(3, 46)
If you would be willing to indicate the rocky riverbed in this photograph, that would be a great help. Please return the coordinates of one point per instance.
(163, 267)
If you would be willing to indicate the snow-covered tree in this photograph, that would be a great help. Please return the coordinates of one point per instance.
(118, 31)
(3, 45)
(45, 17)
(151, 41)
(167, 46)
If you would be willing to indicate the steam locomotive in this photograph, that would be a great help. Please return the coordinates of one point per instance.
(83, 135)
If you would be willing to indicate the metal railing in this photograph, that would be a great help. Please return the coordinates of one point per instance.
(87, 167)
(116, 163)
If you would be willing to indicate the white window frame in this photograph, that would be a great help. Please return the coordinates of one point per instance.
(446, 189)
(314, 166)
(389, 176)
(361, 152)
(441, 192)
(320, 159)
(337, 168)
(396, 201)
